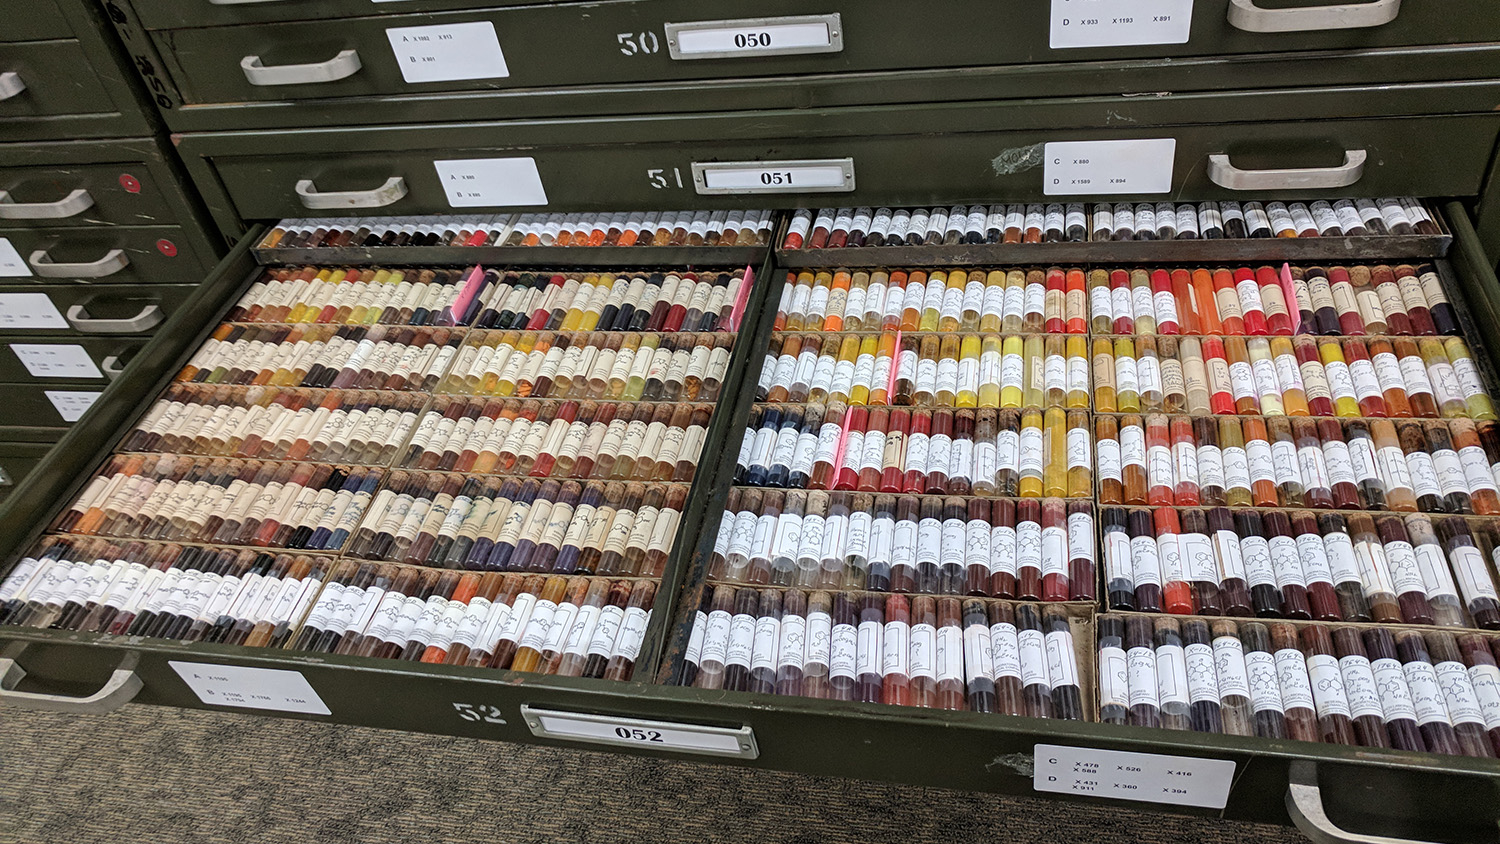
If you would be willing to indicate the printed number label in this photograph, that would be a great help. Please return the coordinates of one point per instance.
(636, 732)
(640, 735)
(780, 36)
(638, 43)
(743, 177)
(479, 712)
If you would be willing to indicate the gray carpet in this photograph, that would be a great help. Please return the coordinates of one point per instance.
(182, 777)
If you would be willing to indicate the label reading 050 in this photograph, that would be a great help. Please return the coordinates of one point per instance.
(782, 36)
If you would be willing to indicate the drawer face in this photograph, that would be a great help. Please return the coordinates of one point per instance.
(151, 255)
(47, 405)
(125, 193)
(59, 79)
(83, 360)
(73, 310)
(626, 40)
(16, 462)
(889, 170)
(32, 20)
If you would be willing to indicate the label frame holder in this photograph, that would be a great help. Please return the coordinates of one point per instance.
(702, 168)
(744, 736)
(832, 20)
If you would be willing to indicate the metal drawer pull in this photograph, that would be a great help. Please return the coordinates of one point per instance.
(74, 203)
(149, 317)
(344, 64)
(239, 2)
(1244, 14)
(118, 690)
(113, 261)
(1304, 802)
(1226, 175)
(393, 189)
(112, 367)
(10, 84)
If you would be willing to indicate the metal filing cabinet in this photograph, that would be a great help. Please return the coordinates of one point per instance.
(98, 235)
(1384, 98)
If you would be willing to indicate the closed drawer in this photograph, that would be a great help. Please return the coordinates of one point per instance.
(944, 34)
(124, 193)
(57, 310)
(89, 361)
(109, 255)
(57, 78)
(32, 20)
(393, 171)
(16, 462)
(46, 404)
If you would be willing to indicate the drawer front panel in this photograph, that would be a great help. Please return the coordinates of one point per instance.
(59, 79)
(32, 20)
(947, 34)
(45, 405)
(109, 255)
(76, 310)
(17, 461)
(25, 359)
(125, 193)
(1398, 157)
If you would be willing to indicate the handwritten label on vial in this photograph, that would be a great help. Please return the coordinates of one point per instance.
(49, 360)
(639, 733)
(11, 264)
(72, 404)
(22, 311)
(448, 52)
(1151, 777)
(1119, 23)
(252, 688)
(1106, 167)
(782, 36)
(744, 177)
(478, 182)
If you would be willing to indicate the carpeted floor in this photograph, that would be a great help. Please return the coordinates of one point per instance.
(166, 776)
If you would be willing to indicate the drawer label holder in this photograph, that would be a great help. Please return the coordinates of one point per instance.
(828, 175)
(793, 35)
(1148, 777)
(619, 731)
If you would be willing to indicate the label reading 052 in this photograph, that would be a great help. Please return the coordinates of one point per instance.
(620, 731)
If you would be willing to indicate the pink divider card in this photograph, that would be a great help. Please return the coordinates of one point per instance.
(741, 299)
(1288, 290)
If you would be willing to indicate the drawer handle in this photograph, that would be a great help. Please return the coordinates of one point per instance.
(344, 64)
(239, 2)
(393, 189)
(149, 317)
(73, 204)
(10, 84)
(118, 690)
(1226, 175)
(1244, 14)
(112, 367)
(1304, 802)
(113, 261)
